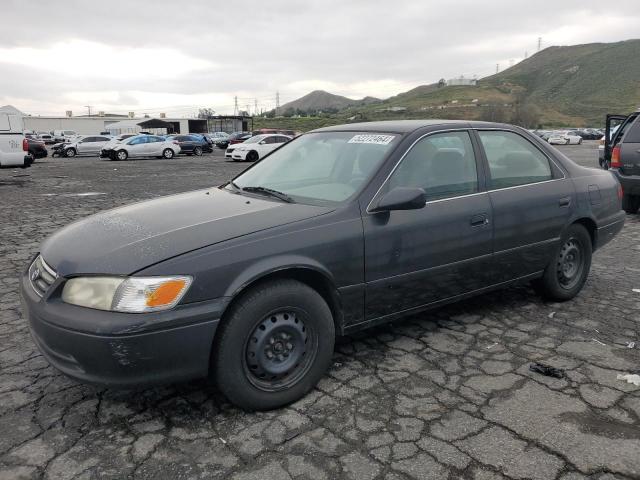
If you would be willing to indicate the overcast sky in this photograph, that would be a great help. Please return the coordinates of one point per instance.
(174, 56)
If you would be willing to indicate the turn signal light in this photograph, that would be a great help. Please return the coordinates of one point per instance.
(615, 157)
(165, 293)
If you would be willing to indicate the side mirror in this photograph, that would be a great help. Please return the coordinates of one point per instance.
(262, 142)
(401, 198)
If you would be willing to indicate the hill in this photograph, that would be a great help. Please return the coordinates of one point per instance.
(558, 86)
(319, 100)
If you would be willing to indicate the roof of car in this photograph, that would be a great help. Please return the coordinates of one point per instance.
(401, 126)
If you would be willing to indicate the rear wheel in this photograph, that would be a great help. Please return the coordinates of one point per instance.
(197, 151)
(273, 346)
(252, 156)
(630, 203)
(567, 273)
(167, 153)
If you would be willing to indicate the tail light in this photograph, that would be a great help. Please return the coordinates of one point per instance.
(615, 157)
(25, 145)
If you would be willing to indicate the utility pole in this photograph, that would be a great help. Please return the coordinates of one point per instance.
(235, 105)
(277, 103)
(255, 106)
(526, 54)
(89, 109)
(497, 67)
(539, 43)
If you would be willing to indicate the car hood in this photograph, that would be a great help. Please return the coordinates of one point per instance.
(127, 239)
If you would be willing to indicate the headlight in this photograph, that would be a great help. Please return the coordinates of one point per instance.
(131, 294)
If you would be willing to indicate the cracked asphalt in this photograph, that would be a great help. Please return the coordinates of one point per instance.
(443, 394)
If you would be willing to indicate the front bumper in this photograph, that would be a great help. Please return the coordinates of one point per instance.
(239, 154)
(118, 349)
(630, 183)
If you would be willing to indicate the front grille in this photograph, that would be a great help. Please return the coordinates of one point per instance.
(41, 276)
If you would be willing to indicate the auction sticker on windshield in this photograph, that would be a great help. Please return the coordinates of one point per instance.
(371, 138)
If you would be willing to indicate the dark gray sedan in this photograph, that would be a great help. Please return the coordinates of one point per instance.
(338, 230)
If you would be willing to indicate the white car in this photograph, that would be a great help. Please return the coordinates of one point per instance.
(46, 137)
(142, 146)
(14, 148)
(90, 145)
(257, 147)
(561, 138)
(65, 135)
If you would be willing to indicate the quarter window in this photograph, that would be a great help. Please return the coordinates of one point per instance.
(513, 160)
(442, 164)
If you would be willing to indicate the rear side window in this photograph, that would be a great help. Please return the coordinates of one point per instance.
(442, 164)
(513, 160)
(633, 135)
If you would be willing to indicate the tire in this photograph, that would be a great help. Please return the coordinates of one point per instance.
(567, 273)
(630, 203)
(256, 373)
(252, 156)
(122, 155)
(197, 151)
(580, 142)
(70, 152)
(168, 153)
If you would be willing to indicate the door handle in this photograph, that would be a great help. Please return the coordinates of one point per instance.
(479, 220)
(564, 202)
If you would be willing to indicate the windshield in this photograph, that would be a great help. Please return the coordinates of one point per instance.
(320, 167)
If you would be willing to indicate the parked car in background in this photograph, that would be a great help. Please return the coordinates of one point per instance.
(342, 229)
(141, 146)
(564, 138)
(235, 137)
(257, 147)
(89, 145)
(46, 137)
(117, 139)
(65, 135)
(14, 147)
(623, 150)
(37, 148)
(191, 144)
(219, 138)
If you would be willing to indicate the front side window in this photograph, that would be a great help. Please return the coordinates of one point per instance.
(138, 140)
(513, 160)
(322, 167)
(443, 165)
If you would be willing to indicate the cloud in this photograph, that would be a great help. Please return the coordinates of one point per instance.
(134, 55)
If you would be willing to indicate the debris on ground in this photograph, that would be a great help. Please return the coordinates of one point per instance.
(637, 290)
(547, 370)
(631, 344)
(491, 346)
(598, 341)
(551, 315)
(630, 378)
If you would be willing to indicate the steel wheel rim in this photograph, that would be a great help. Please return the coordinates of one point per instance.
(280, 350)
(570, 265)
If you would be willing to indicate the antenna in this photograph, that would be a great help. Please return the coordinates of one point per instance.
(255, 106)
(539, 43)
(277, 103)
(497, 67)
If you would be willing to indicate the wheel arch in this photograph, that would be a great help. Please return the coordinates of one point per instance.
(311, 275)
(591, 227)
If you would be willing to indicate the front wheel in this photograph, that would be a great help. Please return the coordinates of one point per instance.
(630, 203)
(567, 273)
(168, 153)
(70, 152)
(122, 155)
(252, 156)
(273, 346)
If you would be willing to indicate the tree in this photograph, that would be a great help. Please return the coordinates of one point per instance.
(526, 115)
(442, 83)
(494, 113)
(206, 113)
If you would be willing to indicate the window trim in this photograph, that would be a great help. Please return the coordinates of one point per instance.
(479, 167)
(486, 161)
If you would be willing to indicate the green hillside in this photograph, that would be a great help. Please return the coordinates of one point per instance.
(559, 86)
